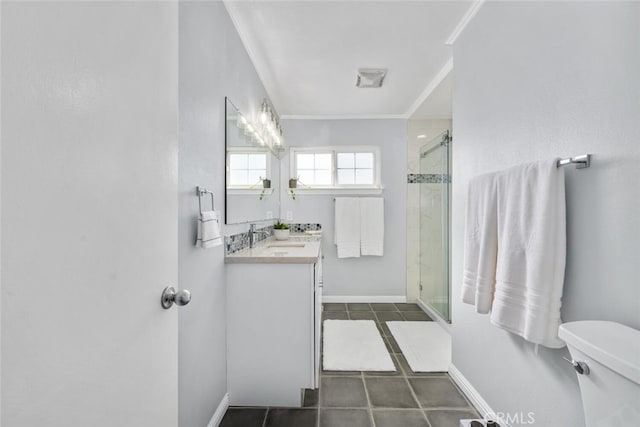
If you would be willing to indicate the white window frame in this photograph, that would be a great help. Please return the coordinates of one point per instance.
(251, 188)
(375, 188)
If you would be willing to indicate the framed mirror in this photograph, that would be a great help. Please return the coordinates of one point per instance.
(252, 173)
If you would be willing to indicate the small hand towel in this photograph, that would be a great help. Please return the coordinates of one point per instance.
(531, 252)
(481, 243)
(372, 226)
(347, 227)
(209, 230)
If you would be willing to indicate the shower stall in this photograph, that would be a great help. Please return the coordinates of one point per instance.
(435, 190)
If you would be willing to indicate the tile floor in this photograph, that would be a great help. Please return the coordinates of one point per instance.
(369, 399)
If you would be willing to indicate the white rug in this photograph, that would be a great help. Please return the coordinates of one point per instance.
(354, 345)
(425, 345)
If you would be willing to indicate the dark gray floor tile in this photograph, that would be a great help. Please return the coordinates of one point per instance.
(415, 315)
(437, 392)
(337, 315)
(386, 343)
(362, 315)
(397, 373)
(395, 348)
(344, 418)
(408, 307)
(287, 417)
(384, 329)
(345, 392)
(385, 316)
(311, 397)
(334, 307)
(390, 418)
(383, 307)
(340, 373)
(389, 393)
(244, 417)
(358, 307)
(447, 418)
(409, 372)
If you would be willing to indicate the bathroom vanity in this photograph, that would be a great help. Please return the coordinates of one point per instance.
(274, 307)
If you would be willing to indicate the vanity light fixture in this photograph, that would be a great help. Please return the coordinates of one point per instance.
(370, 77)
(248, 129)
(267, 132)
(264, 110)
(241, 122)
(270, 131)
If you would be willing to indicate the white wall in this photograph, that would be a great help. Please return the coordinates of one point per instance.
(365, 276)
(534, 81)
(213, 64)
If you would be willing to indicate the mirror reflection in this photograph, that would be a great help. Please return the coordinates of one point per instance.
(253, 173)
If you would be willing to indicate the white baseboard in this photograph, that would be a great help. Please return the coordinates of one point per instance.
(220, 411)
(358, 298)
(435, 316)
(470, 391)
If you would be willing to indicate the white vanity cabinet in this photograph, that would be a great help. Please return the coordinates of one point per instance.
(317, 286)
(274, 309)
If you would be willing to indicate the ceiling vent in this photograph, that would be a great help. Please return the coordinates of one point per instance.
(371, 77)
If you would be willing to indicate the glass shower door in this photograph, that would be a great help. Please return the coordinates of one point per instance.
(435, 181)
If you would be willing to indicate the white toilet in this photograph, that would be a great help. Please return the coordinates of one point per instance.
(608, 354)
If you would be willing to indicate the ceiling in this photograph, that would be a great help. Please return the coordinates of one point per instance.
(307, 53)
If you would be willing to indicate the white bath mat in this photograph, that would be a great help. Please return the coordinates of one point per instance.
(425, 345)
(354, 345)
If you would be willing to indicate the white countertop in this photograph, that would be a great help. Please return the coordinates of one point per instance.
(298, 249)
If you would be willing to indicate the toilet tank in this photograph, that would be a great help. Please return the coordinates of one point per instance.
(611, 390)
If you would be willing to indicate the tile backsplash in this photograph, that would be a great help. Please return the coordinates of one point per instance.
(428, 178)
(301, 228)
(240, 241)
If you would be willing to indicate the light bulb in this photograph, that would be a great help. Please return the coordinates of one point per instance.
(241, 122)
(264, 110)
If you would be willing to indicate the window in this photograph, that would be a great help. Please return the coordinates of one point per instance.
(355, 169)
(314, 169)
(247, 168)
(336, 167)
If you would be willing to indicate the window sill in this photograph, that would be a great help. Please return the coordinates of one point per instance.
(338, 191)
(249, 191)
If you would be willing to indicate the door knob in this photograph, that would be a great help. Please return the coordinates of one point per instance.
(170, 296)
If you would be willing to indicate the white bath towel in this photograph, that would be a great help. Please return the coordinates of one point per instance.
(531, 252)
(347, 227)
(209, 230)
(481, 243)
(372, 226)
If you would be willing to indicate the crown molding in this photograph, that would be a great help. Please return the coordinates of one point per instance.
(433, 84)
(471, 12)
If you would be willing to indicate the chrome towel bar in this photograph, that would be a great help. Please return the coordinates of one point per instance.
(201, 191)
(582, 161)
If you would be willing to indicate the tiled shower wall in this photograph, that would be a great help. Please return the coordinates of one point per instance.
(430, 128)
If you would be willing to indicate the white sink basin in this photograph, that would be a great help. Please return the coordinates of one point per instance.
(286, 245)
(275, 251)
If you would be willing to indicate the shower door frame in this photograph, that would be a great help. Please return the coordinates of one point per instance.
(445, 233)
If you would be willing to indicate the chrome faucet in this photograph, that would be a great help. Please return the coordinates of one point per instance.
(253, 232)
